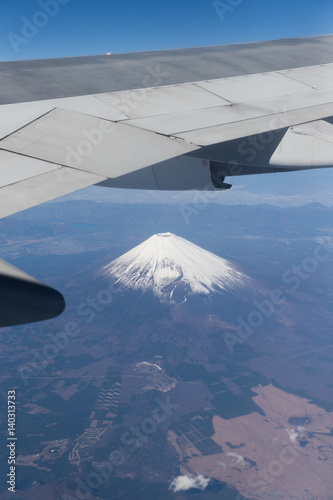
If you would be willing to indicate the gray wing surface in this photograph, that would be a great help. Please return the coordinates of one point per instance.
(173, 120)
(174, 137)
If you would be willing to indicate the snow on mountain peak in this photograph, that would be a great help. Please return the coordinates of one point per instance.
(165, 261)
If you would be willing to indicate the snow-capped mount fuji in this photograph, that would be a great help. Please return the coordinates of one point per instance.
(173, 268)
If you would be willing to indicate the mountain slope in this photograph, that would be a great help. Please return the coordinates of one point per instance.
(166, 264)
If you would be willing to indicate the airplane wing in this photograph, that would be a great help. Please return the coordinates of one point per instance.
(169, 132)
(24, 299)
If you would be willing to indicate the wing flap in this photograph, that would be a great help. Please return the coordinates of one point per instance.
(262, 124)
(16, 168)
(16, 116)
(318, 77)
(91, 144)
(33, 191)
(254, 87)
(280, 112)
(141, 103)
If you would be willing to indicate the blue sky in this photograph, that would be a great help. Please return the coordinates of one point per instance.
(81, 27)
